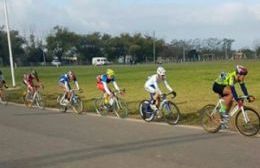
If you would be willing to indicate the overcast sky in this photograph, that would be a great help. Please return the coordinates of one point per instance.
(170, 19)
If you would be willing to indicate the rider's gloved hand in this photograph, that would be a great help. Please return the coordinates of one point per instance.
(174, 93)
(251, 98)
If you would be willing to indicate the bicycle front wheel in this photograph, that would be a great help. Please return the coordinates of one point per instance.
(100, 106)
(120, 108)
(39, 101)
(248, 124)
(77, 105)
(210, 119)
(171, 113)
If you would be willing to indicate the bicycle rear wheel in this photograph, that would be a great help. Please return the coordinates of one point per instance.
(100, 107)
(77, 105)
(120, 108)
(62, 108)
(145, 111)
(171, 113)
(251, 127)
(27, 98)
(210, 119)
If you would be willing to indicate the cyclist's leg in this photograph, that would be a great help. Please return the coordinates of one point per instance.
(219, 89)
(152, 92)
(64, 90)
(100, 87)
(228, 97)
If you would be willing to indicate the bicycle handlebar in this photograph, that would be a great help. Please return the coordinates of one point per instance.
(167, 94)
(243, 98)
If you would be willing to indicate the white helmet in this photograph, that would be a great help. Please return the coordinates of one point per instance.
(161, 71)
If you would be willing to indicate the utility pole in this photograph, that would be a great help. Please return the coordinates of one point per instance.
(9, 44)
(154, 59)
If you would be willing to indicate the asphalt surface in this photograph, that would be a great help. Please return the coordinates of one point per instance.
(31, 138)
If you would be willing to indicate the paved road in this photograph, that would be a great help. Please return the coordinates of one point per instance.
(49, 139)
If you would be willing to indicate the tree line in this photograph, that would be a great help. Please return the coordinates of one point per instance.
(61, 44)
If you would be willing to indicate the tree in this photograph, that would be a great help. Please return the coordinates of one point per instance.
(17, 46)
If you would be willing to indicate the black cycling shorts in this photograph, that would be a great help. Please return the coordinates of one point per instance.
(217, 88)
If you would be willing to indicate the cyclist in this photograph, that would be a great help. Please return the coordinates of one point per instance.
(64, 83)
(224, 85)
(29, 81)
(151, 86)
(102, 85)
(2, 83)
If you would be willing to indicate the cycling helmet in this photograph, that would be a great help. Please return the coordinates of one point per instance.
(110, 72)
(241, 70)
(161, 71)
(34, 73)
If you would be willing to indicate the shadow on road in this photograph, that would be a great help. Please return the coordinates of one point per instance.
(106, 150)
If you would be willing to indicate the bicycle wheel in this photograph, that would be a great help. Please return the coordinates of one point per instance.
(145, 111)
(77, 105)
(62, 108)
(120, 108)
(100, 107)
(251, 127)
(171, 113)
(39, 101)
(210, 119)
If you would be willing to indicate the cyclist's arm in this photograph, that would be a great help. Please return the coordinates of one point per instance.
(106, 88)
(167, 86)
(76, 84)
(234, 93)
(244, 89)
(115, 85)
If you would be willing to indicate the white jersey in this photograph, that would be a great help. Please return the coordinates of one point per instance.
(153, 81)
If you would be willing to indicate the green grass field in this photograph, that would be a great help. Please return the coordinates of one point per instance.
(191, 81)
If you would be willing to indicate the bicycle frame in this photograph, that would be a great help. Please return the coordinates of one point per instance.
(72, 95)
(234, 110)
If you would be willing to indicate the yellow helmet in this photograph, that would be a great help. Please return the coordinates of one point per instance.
(110, 73)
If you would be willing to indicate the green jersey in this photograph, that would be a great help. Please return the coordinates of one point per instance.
(227, 79)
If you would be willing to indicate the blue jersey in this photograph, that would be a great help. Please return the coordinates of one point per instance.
(105, 79)
(64, 78)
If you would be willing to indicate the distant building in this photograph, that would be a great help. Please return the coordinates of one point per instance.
(238, 55)
(128, 59)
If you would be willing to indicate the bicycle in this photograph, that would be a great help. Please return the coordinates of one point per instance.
(75, 103)
(247, 120)
(3, 96)
(118, 106)
(169, 110)
(34, 99)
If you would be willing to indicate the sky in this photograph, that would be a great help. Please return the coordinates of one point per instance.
(170, 19)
